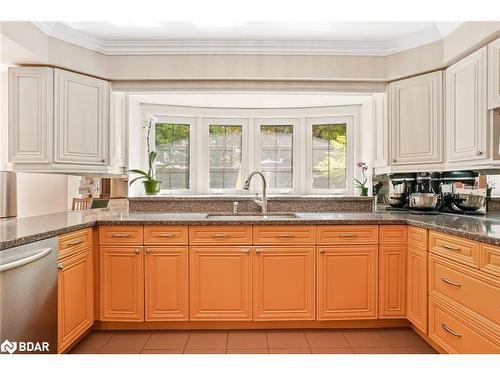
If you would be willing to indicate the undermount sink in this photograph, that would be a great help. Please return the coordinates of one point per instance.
(269, 215)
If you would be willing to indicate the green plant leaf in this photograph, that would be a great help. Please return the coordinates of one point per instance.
(138, 171)
(138, 178)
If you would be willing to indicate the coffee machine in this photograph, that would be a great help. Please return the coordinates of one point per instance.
(461, 193)
(400, 187)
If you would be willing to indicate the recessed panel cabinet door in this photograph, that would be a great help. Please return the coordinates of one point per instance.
(75, 298)
(416, 288)
(30, 114)
(122, 284)
(466, 108)
(220, 283)
(416, 119)
(392, 281)
(284, 283)
(80, 119)
(166, 283)
(347, 282)
(494, 74)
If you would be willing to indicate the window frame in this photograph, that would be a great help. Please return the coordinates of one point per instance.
(191, 121)
(205, 160)
(310, 122)
(257, 143)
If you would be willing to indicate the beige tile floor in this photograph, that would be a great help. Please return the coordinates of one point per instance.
(317, 341)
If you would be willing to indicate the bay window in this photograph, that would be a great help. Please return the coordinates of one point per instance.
(297, 154)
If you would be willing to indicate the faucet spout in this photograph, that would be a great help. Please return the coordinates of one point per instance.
(261, 202)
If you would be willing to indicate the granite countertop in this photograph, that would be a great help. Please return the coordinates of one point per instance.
(14, 232)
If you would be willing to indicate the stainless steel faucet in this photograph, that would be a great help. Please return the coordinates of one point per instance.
(261, 202)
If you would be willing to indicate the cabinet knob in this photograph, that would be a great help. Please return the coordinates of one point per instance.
(60, 266)
(147, 251)
(137, 251)
(103, 160)
(394, 160)
(321, 251)
(257, 251)
(479, 153)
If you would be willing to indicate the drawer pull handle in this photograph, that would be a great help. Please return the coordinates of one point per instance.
(120, 235)
(166, 235)
(74, 243)
(346, 235)
(447, 281)
(221, 235)
(285, 235)
(449, 330)
(449, 247)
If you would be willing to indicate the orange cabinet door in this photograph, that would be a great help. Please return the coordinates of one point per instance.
(220, 283)
(284, 283)
(347, 282)
(166, 283)
(75, 298)
(392, 281)
(122, 284)
(416, 288)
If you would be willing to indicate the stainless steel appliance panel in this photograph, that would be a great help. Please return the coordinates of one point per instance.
(8, 199)
(28, 293)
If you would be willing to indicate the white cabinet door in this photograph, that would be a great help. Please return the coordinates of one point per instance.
(81, 119)
(381, 141)
(30, 114)
(494, 74)
(416, 119)
(466, 109)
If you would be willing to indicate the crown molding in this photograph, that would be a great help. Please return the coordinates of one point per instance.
(68, 34)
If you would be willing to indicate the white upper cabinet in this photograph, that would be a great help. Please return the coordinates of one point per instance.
(58, 121)
(494, 74)
(30, 115)
(416, 120)
(466, 109)
(81, 119)
(381, 138)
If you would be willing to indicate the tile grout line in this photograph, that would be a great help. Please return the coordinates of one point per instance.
(149, 338)
(185, 345)
(308, 344)
(109, 338)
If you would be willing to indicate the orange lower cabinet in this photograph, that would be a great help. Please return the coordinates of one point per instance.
(75, 298)
(122, 283)
(220, 283)
(166, 283)
(392, 281)
(283, 283)
(416, 288)
(347, 282)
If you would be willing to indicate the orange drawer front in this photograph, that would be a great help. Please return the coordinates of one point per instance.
(284, 234)
(490, 259)
(393, 233)
(347, 234)
(74, 242)
(417, 237)
(215, 235)
(454, 248)
(166, 235)
(466, 286)
(121, 234)
(455, 334)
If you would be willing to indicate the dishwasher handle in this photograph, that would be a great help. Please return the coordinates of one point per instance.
(21, 262)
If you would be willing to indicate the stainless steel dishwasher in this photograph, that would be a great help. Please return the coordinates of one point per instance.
(28, 298)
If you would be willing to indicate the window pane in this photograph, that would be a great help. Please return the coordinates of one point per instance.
(277, 155)
(225, 144)
(172, 145)
(329, 148)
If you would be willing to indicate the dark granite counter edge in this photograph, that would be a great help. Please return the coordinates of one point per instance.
(304, 221)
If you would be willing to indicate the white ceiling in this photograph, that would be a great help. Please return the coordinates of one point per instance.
(358, 38)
